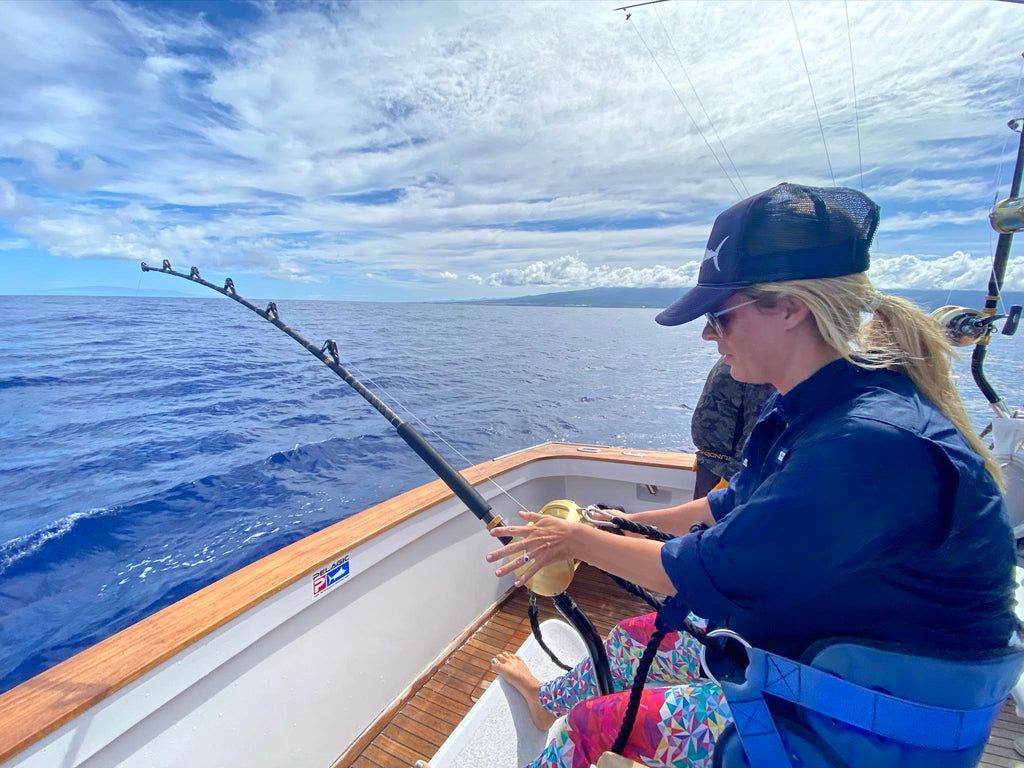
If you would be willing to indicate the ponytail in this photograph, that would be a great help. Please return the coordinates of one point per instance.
(897, 336)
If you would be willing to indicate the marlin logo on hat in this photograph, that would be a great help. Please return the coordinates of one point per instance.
(713, 254)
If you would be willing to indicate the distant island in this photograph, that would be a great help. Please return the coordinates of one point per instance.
(659, 298)
(592, 297)
(617, 298)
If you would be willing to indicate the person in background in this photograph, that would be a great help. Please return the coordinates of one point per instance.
(726, 412)
(867, 507)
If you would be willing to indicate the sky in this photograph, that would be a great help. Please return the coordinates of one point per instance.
(423, 151)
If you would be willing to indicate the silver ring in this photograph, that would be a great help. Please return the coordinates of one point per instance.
(526, 558)
(728, 633)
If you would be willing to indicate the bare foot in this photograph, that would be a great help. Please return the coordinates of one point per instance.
(513, 670)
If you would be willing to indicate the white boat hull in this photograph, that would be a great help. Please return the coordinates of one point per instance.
(290, 678)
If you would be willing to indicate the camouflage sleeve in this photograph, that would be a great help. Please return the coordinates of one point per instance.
(725, 413)
(713, 425)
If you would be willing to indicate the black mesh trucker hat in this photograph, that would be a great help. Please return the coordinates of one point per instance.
(789, 232)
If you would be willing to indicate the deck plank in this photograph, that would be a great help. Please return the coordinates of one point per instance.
(422, 724)
(999, 752)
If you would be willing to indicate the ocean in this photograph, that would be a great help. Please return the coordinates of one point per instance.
(154, 445)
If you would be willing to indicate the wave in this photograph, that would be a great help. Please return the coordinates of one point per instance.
(22, 547)
(246, 501)
(28, 381)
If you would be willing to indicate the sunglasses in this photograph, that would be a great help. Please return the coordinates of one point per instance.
(715, 324)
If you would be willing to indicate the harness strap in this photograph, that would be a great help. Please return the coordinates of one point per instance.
(755, 725)
(909, 722)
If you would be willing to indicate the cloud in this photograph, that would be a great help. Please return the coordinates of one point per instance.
(8, 196)
(958, 270)
(444, 147)
(61, 170)
(573, 272)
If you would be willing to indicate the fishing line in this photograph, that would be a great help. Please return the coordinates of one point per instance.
(683, 105)
(965, 266)
(413, 417)
(1002, 152)
(821, 128)
(332, 360)
(856, 107)
(701, 103)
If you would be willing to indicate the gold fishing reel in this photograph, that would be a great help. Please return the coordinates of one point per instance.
(554, 579)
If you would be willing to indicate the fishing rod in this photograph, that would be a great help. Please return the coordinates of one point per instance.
(1006, 218)
(966, 326)
(327, 353)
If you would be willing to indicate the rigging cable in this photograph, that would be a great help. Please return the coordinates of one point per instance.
(821, 128)
(856, 107)
(701, 103)
(687, 111)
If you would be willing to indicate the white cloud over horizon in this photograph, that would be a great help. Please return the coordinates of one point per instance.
(426, 150)
(959, 270)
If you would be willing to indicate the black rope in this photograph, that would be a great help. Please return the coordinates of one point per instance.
(535, 626)
(643, 669)
(636, 590)
(625, 524)
(629, 720)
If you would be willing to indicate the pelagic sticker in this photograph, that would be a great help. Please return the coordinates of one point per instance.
(330, 576)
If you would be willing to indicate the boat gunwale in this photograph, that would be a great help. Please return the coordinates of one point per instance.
(41, 705)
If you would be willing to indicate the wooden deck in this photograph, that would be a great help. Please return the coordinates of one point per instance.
(420, 724)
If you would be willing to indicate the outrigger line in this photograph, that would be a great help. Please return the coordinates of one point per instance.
(467, 494)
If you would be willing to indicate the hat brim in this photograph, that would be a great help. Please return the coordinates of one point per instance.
(693, 304)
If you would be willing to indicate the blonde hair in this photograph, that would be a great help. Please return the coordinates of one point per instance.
(898, 336)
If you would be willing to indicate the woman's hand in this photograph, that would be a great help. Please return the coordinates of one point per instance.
(549, 540)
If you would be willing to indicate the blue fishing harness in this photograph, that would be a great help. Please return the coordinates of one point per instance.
(856, 705)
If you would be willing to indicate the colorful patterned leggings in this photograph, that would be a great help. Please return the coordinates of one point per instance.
(675, 726)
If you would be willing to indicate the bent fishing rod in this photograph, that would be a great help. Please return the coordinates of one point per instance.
(327, 353)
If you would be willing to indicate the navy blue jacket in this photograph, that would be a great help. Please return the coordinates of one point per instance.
(860, 512)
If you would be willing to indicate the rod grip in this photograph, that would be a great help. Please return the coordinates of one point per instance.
(453, 479)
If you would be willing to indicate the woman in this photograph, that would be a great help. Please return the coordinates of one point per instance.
(866, 506)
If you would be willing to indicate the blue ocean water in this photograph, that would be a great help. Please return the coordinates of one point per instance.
(155, 445)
